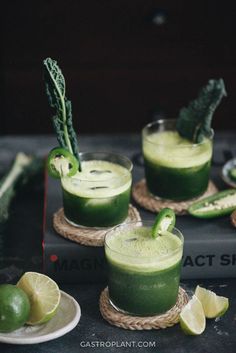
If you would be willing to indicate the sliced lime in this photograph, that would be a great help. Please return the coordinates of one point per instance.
(165, 221)
(192, 317)
(213, 305)
(44, 296)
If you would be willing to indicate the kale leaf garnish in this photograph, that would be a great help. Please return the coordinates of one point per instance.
(194, 121)
(62, 120)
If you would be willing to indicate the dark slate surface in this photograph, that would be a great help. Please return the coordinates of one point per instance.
(23, 237)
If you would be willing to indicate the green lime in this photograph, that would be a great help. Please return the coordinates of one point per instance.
(213, 305)
(14, 308)
(165, 221)
(44, 296)
(192, 318)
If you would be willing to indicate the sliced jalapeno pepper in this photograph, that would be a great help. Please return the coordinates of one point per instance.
(165, 221)
(220, 204)
(61, 162)
(232, 174)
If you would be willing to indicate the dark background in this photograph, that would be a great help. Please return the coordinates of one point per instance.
(120, 66)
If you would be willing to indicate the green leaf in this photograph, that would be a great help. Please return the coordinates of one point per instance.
(62, 120)
(55, 83)
(194, 121)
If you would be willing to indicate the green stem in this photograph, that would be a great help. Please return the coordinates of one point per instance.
(64, 125)
(20, 163)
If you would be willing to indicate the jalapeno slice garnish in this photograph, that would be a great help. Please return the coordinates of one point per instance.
(220, 204)
(165, 221)
(61, 162)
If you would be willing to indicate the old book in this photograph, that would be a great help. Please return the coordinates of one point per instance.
(209, 248)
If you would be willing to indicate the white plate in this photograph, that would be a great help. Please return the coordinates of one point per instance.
(225, 172)
(66, 318)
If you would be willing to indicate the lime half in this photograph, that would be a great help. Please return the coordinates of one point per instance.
(192, 317)
(44, 296)
(165, 221)
(213, 305)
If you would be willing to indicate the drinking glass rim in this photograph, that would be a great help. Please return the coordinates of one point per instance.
(143, 223)
(182, 145)
(102, 153)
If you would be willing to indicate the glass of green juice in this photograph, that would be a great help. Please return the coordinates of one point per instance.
(99, 195)
(143, 272)
(175, 168)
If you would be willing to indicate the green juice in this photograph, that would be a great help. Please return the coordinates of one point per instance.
(98, 196)
(144, 272)
(175, 168)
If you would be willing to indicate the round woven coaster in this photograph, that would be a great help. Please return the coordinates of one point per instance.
(233, 218)
(128, 322)
(89, 236)
(142, 196)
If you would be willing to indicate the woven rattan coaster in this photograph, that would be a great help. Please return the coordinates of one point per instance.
(86, 235)
(142, 196)
(129, 322)
(233, 218)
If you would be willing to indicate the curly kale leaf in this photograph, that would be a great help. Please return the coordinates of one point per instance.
(55, 83)
(62, 120)
(194, 121)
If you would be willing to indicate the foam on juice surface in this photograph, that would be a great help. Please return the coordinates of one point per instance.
(98, 179)
(169, 149)
(137, 250)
